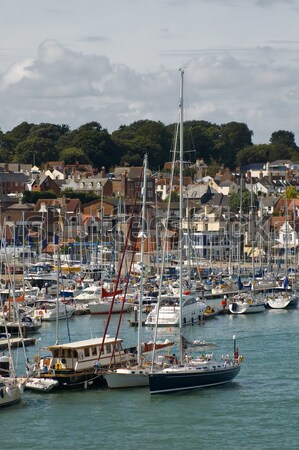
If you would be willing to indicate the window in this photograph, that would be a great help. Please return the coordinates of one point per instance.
(94, 351)
(108, 349)
(86, 352)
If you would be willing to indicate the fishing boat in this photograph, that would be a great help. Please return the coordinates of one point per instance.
(188, 372)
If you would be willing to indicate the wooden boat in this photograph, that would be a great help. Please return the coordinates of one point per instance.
(81, 364)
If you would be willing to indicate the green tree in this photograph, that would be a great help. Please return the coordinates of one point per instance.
(291, 192)
(248, 200)
(233, 137)
(97, 146)
(71, 155)
(144, 136)
(34, 196)
(84, 197)
(36, 149)
(49, 131)
(286, 138)
(213, 168)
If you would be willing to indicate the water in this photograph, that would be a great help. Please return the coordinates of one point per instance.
(259, 410)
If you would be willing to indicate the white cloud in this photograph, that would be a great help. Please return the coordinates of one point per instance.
(257, 86)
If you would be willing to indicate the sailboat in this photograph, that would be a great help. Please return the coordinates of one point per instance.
(137, 375)
(10, 387)
(190, 373)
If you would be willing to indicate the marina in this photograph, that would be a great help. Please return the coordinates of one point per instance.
(265, 389)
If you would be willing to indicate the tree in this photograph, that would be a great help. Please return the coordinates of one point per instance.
(265, 153)
(34, 196)
(248, 200)
(287, 138)
(84, 197)
(36, 149)
(49, 131)
(131, 160)
(233, 137)
(144, 136)
(213, 168)
(291, 192)
(97, 145)
(71, 155)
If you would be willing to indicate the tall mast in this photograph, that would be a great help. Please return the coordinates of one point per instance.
(142, 262)
(181, 212)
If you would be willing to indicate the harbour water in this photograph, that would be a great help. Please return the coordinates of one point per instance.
(259, 410)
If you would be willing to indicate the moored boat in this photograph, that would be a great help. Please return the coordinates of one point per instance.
(81, 364)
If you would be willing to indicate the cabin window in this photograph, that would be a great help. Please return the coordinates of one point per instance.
(86, 352)
(55, 353)
(94, 351)
(108, 348)
(75, 354)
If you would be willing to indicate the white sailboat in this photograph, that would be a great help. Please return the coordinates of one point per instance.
(203, 371)
(137, 375)
(10, 387)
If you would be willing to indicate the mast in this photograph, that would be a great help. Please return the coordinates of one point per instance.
(142, 262)
(181, 106)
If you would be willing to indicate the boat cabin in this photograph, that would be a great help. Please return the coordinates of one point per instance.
(84, 355)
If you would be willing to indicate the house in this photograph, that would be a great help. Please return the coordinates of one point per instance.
(255, 170)
(228, 187)
(260, 186)
(267, 205)
(13, 183)
(128, 179)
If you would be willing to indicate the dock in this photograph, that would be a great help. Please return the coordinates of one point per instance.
(16, 342)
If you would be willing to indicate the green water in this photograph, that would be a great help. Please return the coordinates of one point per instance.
(259, 410)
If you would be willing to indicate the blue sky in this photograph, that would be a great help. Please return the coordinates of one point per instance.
(118, 61)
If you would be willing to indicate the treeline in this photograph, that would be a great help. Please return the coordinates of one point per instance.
(228, 144)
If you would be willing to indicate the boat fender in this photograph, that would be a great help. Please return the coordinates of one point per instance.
(8, 391)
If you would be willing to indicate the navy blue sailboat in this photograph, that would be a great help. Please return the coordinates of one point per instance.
(190, 373)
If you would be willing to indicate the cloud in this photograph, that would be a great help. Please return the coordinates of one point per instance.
(94, 39)
(257, 86)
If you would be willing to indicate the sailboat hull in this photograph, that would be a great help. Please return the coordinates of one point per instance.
(186, 378)
(10, 392)
(126, 378)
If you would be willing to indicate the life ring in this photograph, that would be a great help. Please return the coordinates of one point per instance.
(58, 366)
(40, 313)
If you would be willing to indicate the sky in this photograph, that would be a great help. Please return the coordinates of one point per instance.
(117, 61)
